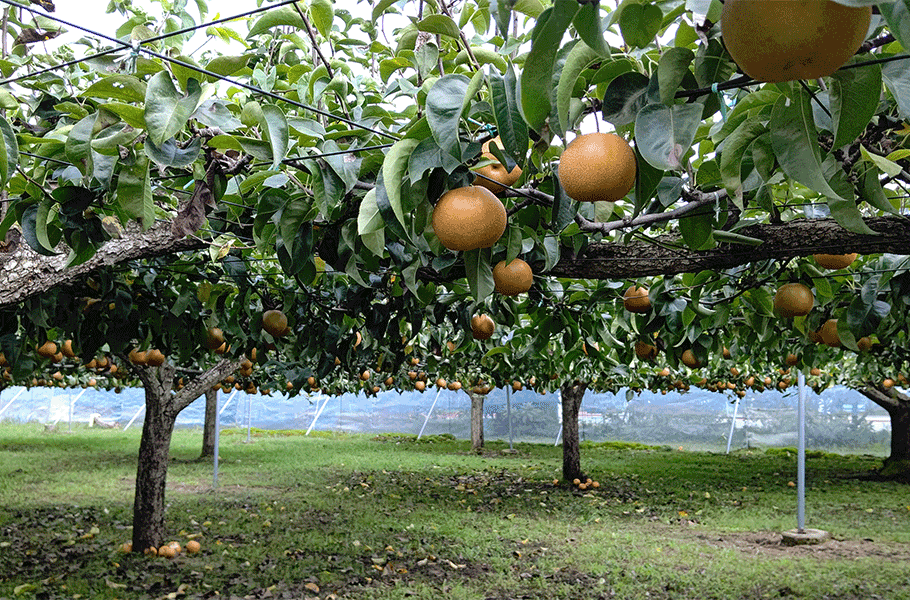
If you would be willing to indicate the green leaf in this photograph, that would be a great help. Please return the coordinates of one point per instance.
(394, 169)
(795, 142)
(665, 133)
(589, 25)
(731, 159)
(537, 74)
(275, 125)
(896, 76)
(479, 272)
(854, 97)
(872, 192)
(133, 116)
(673, 67)
(134, 192)
(639, 24)
(284, 15)
(380, 7)
(166, 109)
(563, 209)
(625, 96)
(887, 167)
(848, 216)
(697, 229)
(227, 65)
(109, 140)
(171, 155)
(865, 314)
(323, 14)
(580, 58)
(512, 129)
(728, 237)
(78, 144)
(713, 64)
(118, 87)
(9, 152)
(897, 15)
(445, 102)
(439, 24)
(34, 218)
(368, 218)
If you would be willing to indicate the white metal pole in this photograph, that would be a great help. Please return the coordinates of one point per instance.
(732, 424)
(429, 412)
(249, 417)
(509, 413)
(19, 393)
(801, 456)
(218, 438)
(558, 416)
(318, 412)
(136, 416)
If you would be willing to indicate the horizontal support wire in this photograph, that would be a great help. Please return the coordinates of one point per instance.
(140, 48)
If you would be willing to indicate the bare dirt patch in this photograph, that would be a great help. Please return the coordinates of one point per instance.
(769, 544)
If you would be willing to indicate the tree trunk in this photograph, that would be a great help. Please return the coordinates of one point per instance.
(208, 429)
(571, 395)
(897, 465)
(477, 422)
(151, 474)
(161, 410)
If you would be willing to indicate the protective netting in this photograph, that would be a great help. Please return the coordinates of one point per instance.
(838, 419)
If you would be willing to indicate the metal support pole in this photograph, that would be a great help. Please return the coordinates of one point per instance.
(249, 416)
(509, 413)
(801, 456)
(318, 412)
(218, 438)
(732, 424)
(136, 416)
(558, 416)
(430, 412)
(19, 393)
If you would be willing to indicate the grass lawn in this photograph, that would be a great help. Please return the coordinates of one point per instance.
(340, 516)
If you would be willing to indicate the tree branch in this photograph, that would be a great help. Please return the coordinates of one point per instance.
(612, 260)
(25, 273)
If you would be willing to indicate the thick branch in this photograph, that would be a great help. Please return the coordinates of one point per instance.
(667, 255)
(25, 273)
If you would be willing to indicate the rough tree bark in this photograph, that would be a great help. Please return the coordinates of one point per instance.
(25, 273)
(571, 395)
(208, 428)
(476, 421)
(161, 410)
(897, 465)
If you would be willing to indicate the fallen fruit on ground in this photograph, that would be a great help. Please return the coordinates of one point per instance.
(793, 39)
(482, 327)
(192, 547)
(495, 171)
(469, 218)
(635, 300)
(793, 300)
(597, 167)
(513, 278)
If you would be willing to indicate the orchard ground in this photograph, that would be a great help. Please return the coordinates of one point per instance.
(341, 516)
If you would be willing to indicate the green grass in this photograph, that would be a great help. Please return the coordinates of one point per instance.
(390, 517)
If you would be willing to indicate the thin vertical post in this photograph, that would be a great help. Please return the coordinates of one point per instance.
(429, 413)
(558, 416)
(249, 416)
(732, 424)
(801, 456)
(217, 438)
(509, 413)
